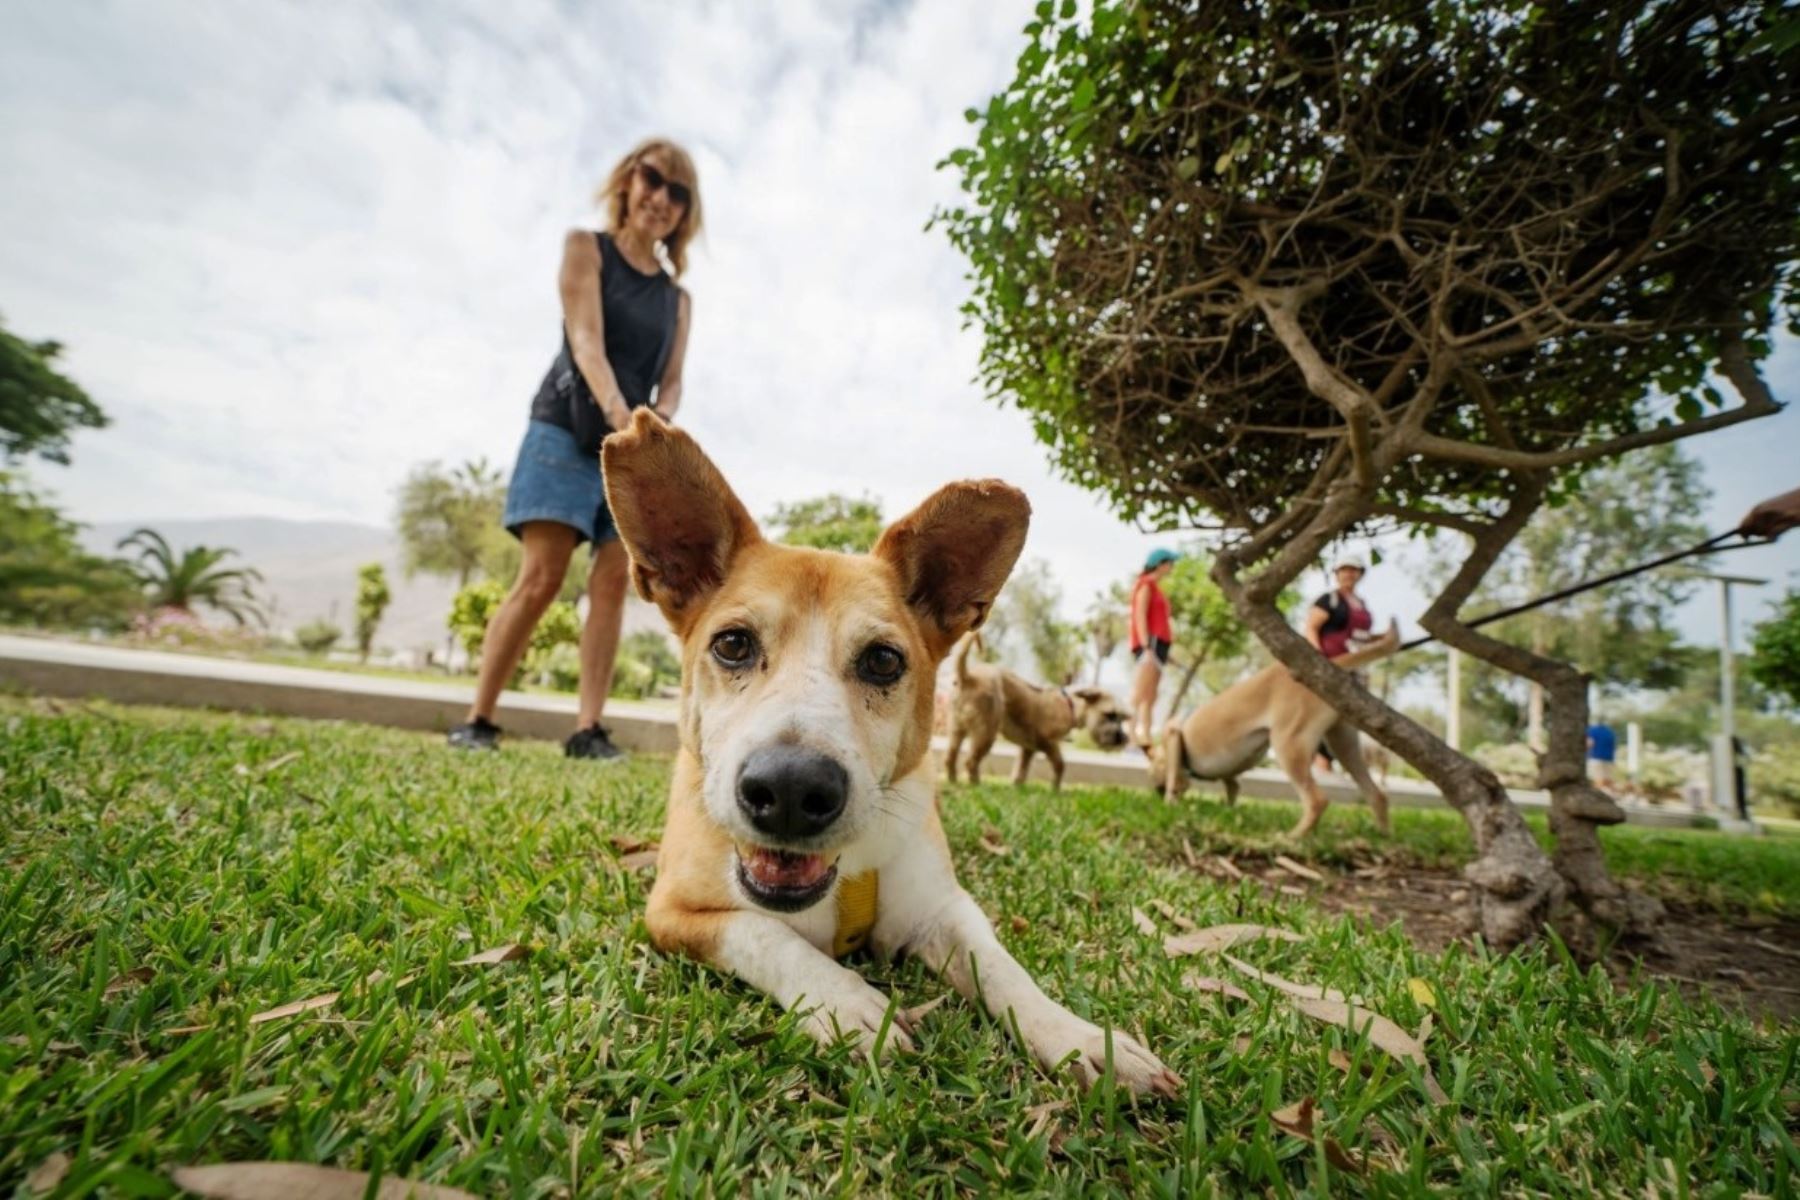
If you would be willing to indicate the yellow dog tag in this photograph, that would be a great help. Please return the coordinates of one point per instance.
(857, 901)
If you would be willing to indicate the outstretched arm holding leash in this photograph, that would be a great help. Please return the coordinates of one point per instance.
(1772, 517)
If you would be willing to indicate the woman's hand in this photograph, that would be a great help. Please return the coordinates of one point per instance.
(613, 408)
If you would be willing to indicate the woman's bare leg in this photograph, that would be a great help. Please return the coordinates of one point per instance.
(547, 546)
(1143, 696)
(600, 634)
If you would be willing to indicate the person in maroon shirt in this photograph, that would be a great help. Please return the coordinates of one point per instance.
(1337, 619)
(1151, 637)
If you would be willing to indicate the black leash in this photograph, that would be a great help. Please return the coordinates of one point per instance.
(1709, 546)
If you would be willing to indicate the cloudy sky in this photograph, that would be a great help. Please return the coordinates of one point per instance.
(294, 249)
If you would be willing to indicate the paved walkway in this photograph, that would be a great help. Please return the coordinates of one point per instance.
(78, 669)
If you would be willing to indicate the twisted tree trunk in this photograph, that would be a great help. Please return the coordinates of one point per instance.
(1577, 807)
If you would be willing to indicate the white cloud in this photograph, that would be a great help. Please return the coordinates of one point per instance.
(295, 248)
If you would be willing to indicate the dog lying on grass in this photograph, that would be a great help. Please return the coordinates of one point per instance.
(1270, 711)
(990, 701)
(802, 820)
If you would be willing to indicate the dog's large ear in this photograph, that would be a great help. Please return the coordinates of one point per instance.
(677, 516)
(1088, 695)
(954, 552)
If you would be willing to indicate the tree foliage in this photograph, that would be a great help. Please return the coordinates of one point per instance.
(39, 405)
(372, 598)
(1775, 651)
(194, 578)
(1227, 254)
(474, 606)
(46, 578)
(1207, 628)
(830, 522)
(317, 636)
(1029, 612)
(447, 517)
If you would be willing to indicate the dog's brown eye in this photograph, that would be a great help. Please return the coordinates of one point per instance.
(881, 665)
(734, 647)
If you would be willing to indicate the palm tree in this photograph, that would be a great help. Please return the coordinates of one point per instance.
(195, 577)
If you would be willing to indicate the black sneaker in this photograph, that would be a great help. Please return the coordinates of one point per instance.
(593, 742)
(479, 734)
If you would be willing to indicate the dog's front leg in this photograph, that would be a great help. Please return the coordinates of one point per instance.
(775, 959)
(959, 942)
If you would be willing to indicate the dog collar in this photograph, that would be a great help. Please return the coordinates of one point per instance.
(857, 899)
(1070, 701)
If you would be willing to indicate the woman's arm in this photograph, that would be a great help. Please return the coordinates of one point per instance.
(579, 283)
(1140, 613)
(668, 391)
(1315, 621)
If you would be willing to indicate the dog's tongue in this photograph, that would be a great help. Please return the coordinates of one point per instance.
(780, 869)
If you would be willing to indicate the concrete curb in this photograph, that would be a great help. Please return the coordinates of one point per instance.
(76, 670)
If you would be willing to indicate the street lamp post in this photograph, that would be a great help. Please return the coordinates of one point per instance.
(1732, 806)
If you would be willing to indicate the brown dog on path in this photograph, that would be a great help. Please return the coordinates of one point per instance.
(1270, 711)
(990, 701)
(803, 822)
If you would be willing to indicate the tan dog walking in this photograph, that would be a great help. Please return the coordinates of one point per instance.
(989, 702)
(803, 820)
(1271, 711)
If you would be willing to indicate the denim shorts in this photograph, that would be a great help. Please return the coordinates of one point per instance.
(554, 481)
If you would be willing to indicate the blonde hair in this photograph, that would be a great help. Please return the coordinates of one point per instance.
(615, 193)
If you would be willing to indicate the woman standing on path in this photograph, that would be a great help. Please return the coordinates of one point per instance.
(625, 328)
(1151, 637)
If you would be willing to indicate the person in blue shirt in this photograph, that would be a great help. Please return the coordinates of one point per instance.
(1602, 749)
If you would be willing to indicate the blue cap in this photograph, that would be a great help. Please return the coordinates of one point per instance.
(1158, 557)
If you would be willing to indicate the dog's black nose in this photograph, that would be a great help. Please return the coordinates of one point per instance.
(791, 792)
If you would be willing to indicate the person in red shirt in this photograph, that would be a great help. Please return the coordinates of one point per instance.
(1336, 620)
(1151, 638)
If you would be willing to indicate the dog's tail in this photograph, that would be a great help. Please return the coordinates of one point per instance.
(970, 639)
(1380, 648)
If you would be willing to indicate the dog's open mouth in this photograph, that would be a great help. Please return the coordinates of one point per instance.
(784, 880)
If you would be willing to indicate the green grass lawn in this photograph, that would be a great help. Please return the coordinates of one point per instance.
(164, 871)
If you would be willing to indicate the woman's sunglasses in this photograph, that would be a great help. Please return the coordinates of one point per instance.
(655, 179)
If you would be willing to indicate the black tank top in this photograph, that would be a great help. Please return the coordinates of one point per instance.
(639, 312)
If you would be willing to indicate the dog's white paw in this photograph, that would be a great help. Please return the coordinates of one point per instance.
(855, 1011)
(1055, 1038)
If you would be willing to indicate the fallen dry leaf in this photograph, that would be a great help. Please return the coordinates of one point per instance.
(1297, 1121)
(289, 1010)
(1288, 889)
(1019, 924)
(1707, 1072)
(1382, 1033)
(1303, 990)
(1205, 983)
(910, 1017)
(499, 954)
(1187, 852)
(1300, 869)
(1144, 924)
(280, 761)
(1215, 938)
(1228, 867)
(1339, 1059)
(1421, 993)
(1242, 1043)
(48, 1174)
(1424, 1029)
(1168, 910)
(50, 1047)
(301, 1181)
(630, 845)
(990, 841)
(131, 978)
(638, 860)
